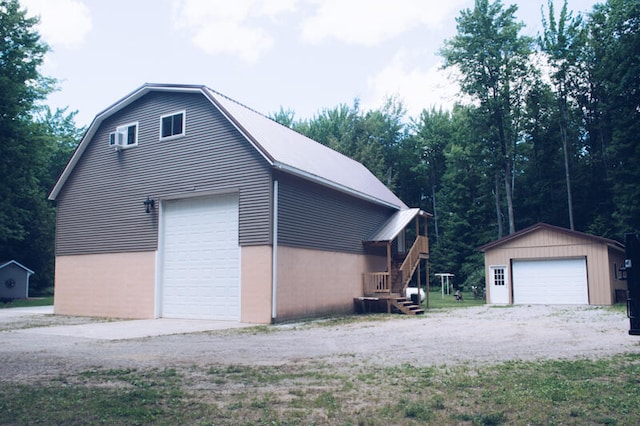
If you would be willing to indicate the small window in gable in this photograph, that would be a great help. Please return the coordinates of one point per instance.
(125, 136)
(172, 125)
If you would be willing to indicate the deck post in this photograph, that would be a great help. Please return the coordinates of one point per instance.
(389, 265)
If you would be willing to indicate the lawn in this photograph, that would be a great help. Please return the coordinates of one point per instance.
(578, 392)
(32, 301)
(551, 392)
(437, 301)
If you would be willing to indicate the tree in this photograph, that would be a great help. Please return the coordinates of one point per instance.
(464, 200)
(21, 85)
(433, 133)
(563, 42)
(35, 144)
(284, 117)
(614, 121)
(494, 63)
(372, 138)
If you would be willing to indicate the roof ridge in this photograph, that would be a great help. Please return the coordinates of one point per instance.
(242, 104)
(286, 127)
(548, 226)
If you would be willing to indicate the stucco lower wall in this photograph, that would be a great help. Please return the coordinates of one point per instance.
(256, 292)
(116, 285)
(314, 282)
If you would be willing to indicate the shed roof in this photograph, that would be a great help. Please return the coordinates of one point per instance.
(541, 226)
(284, 148)
(5, 263)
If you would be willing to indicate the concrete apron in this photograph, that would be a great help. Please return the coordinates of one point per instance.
(121, 329)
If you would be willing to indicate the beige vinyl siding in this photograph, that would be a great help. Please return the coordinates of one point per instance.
(100, 208)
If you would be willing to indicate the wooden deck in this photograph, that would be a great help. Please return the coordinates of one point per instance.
(390, 286)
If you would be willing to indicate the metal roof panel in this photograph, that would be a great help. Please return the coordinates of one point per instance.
(394, 225)
(293, 151)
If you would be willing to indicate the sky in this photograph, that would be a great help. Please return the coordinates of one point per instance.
(300, 55)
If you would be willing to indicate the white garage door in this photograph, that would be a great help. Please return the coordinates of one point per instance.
(200, 258)
(555, 281)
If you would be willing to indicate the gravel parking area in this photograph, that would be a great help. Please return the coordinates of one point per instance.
(32, 350)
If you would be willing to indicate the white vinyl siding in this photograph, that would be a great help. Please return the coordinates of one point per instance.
(201, 258)
(550, 281)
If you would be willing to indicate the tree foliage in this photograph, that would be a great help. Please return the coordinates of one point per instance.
(560, 137)
(493, 59)
(34, 146)
(534, 133)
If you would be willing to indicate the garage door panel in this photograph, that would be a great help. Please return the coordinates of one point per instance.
(201, 259)
(553, 281)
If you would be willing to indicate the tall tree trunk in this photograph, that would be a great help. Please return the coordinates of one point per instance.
(565, 149)
(509, 195)
(498, 210)
(508, 169)
(435, 212)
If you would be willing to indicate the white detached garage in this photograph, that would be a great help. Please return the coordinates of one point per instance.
(545, 264)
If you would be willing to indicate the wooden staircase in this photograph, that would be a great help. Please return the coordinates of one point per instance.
(389, 286)
(405, 306)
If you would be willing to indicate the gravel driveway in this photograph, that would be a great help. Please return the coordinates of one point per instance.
(484, 334)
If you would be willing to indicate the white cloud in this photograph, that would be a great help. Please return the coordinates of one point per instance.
(229, 27)
(369, 22)
(62, 22)
(418, 87)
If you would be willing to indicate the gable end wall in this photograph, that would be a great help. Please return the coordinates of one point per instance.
(100, 209)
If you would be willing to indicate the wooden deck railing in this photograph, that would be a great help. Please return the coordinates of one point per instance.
(420, 247)
(375, 283)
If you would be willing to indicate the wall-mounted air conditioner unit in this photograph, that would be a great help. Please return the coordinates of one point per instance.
(118, 139)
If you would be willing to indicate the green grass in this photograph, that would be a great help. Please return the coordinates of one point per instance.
(436, 301)
(24, 303)
(603, 391)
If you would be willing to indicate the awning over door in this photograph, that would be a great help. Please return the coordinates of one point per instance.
(396, 224)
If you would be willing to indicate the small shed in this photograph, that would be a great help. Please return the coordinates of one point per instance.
(546, 264)
(14, 280)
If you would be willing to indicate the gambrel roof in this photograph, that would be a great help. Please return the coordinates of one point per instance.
(284, 148)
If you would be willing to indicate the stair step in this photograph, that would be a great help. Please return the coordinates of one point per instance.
(406, 307)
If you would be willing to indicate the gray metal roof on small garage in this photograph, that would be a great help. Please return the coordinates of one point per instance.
(284, 148)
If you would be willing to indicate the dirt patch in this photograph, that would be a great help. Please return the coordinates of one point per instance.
(477, 335)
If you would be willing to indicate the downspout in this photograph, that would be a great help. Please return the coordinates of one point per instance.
(274, 257)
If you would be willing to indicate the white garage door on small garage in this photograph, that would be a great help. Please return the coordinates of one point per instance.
(200, 258)
(550, 281)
